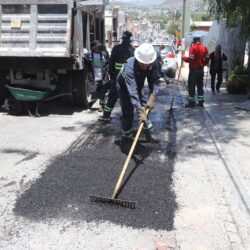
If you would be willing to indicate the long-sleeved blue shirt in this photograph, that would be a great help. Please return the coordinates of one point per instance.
(135, 78)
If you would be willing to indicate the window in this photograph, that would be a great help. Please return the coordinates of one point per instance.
(84, 28)
(16, 9)
(52, 9)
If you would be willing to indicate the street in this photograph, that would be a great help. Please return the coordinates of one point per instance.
(51, 164)
(65, 144)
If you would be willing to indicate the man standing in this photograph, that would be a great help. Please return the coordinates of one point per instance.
(120, 53)
(197, 59)
(216, 59)
(131, 81)
(100, 59)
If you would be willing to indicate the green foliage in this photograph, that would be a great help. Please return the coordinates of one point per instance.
(202, 17)
(238, 79)
(238, 69)
(173, 26)
(162, 19)
(178, 15)
(235, 11)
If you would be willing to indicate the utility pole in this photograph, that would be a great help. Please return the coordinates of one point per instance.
(183, 19)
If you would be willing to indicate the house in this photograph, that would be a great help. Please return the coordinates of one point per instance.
(201, 25)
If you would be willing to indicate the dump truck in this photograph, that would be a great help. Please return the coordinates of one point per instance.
(44, 46)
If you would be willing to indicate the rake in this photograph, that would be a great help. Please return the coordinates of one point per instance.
(177, 81)
(113, 200)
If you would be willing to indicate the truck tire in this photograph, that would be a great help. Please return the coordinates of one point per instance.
(65, 86)
(3, 89)
(82, 88)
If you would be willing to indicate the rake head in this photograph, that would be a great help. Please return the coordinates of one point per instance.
(122, 203)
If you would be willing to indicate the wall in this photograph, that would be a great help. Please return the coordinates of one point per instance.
(232, 44)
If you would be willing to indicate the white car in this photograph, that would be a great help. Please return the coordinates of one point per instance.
(169, 60)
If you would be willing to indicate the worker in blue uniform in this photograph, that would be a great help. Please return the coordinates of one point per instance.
(130, 84)
(120, 53)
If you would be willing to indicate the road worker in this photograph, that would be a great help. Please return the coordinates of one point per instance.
(130, 84)
(197, 59)
(120, 53)
(100, 59)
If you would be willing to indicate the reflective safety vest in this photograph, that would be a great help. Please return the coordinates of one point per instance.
(118, 66)
(119, 56)
(122, 71)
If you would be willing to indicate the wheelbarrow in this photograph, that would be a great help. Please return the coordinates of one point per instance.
(23, 96)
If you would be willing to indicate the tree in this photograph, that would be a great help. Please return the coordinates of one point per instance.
(163, 19)
(172, 28)
(235, 11)
(202, 17)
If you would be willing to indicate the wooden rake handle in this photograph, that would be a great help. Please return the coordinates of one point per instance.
(118, 184)
(178, 79)
(182, 54)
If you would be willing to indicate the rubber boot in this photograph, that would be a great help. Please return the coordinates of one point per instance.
(201, 103)
(147, 129)
(101, 107)
(128, 135)
(190, 104)
(106, 114)
(105, 117)
(166, 80)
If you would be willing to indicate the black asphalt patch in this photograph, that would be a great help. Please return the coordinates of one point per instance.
(63, 189)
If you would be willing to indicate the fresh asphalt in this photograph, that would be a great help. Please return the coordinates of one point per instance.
(63, 189)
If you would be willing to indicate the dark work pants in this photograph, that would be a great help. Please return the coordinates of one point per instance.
(113, 94)
(126, 104)
(213, 74)
(195, 78)
(101, 90)
(163, 74)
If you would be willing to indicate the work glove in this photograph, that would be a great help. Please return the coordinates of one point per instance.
(151, 102)
(142, 117)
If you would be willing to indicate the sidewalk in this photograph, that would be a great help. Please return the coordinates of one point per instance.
(212, 174)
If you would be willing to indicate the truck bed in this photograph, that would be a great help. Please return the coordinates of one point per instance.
(35, 28)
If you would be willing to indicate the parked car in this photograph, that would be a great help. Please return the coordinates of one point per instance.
(168, 57)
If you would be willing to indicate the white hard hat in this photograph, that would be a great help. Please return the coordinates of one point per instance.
(145, 53)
